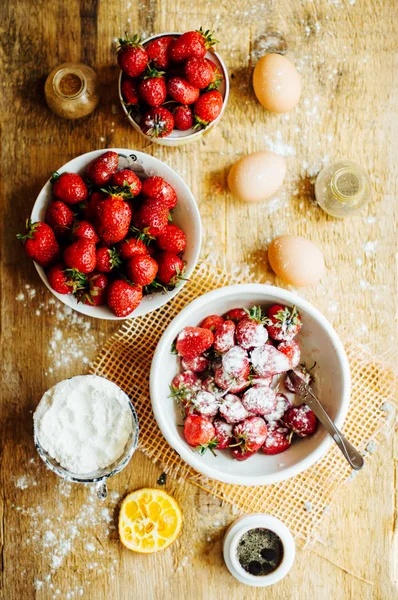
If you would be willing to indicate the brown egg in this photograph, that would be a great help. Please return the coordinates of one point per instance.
(276, 83)
(257, 176)
(296, 260)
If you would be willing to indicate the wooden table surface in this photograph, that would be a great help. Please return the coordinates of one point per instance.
(58, 541)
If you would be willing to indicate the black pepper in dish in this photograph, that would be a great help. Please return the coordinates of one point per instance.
(260, 551)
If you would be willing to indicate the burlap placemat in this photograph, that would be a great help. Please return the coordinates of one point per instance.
(300, 502)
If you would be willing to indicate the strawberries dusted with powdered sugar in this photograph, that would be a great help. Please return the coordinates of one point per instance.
(302, 372)
(205, 403)
(267, 360)
(283, 323)
(232, 409)
(223, 433)
(224, 336)
(250, 332)
(198, 364)
(233, 383)
(259, 400)
(235, 362)
(292, 351)
(193, 341)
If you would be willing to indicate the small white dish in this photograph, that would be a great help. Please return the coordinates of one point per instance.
(318, 341)
(178, 138)
(233, 536)
(186, 215)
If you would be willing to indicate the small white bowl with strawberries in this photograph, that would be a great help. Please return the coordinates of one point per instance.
(114, 233)
(172, 86)
(220, 390)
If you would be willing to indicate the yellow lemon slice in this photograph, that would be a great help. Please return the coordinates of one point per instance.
(149, 520)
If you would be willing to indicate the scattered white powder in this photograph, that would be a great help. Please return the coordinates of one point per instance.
(279, 146)
(19, 297)
(23, 482)
(84, 423)
(370, 248)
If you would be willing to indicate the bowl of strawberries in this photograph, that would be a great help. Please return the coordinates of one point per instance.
(221, 392)
(114, 233)
(172, 86)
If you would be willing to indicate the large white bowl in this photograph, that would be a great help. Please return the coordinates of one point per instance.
(186, 215)
(318, 341)
(176, 137)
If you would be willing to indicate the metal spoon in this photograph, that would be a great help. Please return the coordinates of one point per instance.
(306, 394)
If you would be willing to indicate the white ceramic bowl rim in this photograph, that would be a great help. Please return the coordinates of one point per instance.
(161, 298)
(168, 428)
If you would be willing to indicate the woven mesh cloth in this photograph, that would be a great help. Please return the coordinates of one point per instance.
(299, 502)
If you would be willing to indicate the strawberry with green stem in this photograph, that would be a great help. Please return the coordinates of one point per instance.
(69, 188)
(152, 88)
(132, 56)
(192, 43)
(108, 259)
(39, 243)
(207, 108)
(66, 281)
(170, 269)
(283, 323)
(199, 432)
(157, 122)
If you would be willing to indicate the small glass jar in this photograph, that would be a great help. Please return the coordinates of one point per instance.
(343, 189)
(71, 90)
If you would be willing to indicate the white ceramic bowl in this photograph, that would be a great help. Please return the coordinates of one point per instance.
(318, 341)
(186, 215)
(178, 138)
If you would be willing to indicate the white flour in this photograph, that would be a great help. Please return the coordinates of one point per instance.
(84, 423)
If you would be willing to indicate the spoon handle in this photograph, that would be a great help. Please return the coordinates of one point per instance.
(352, 455)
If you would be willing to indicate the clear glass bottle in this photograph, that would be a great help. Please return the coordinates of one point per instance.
(343, 189)
(71, 90)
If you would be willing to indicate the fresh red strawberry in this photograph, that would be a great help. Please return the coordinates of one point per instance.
(284, 323)
(232, 409)
(127, 178)
(236, 314)
(95, 293)
(250, 332)
(240, 453)
(142, 269)
(235, 361)
(200, 72)
(129, 91)
(292, 351)
(197, 364)
(157, 187)
(226, 381)
(282, 404)
(183, 118)
(251, 433)
(59, 280)
(217, 75)
(207, 108)
(205, 403)
(182, 91)
(83, 230)
(69, 187)
(101, 169)
(130, 247)
(301, 420)
(267, 360)
(171, 268)
(192, 43)
(113, 220)
(152, 217)
(81, 256)
(223, 433)
(278, 440)
(303, 372)
(187, 382)
(107, 259)
(60, 218)
(158, 51)
(157, 122)
(89, 208)
(193, 341)
(259, 400)
(152, 88)
(123, 298)
(40, 243)
(212, 322)
(224, 337)
(131, 56)
(199, 433)
(173, 239)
